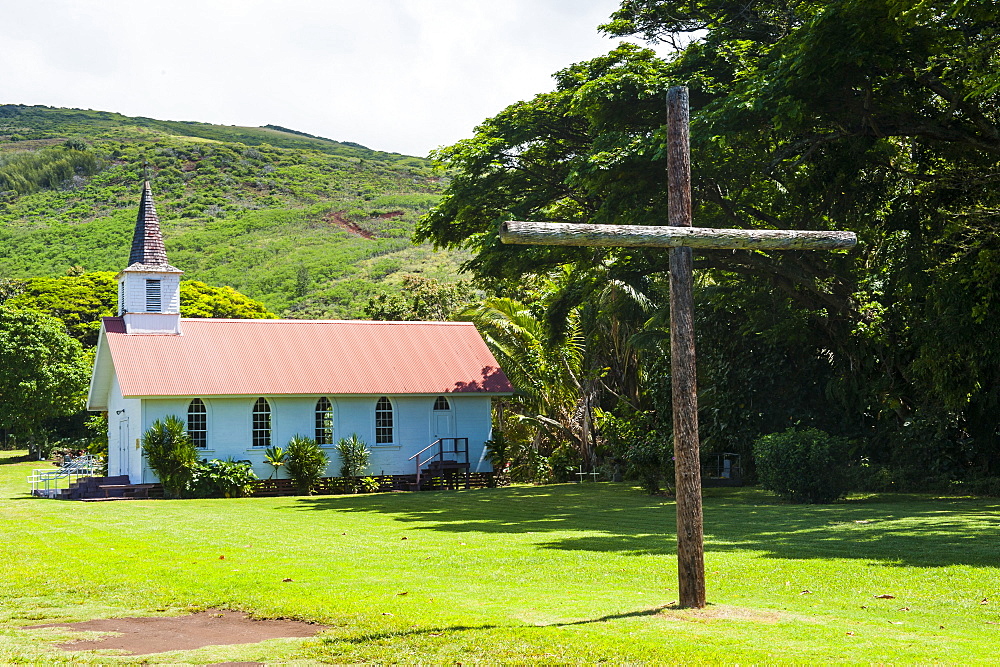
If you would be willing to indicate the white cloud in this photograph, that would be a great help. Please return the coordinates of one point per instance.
(396, 75)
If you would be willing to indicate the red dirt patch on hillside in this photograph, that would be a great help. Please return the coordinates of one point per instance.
(158, 634)
(337, 218)
(390, 214)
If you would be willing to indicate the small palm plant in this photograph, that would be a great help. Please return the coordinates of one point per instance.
(170, 454)
(275, 457)
(354, 459)
(306, 463)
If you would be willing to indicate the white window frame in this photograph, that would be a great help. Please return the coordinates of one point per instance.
(203, 431)
(391, 412)
(327, 414)
(269, 431)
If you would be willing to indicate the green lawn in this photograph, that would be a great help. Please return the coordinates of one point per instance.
(563, 573)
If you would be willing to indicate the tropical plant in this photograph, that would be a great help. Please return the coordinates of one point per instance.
(275, 457)
(498, 453)
(171, 454)
(546, 375)
(368, 485)
(229, 478)
(354, 458)
(306, 463)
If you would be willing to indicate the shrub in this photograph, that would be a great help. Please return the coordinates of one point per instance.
(215, 478)
(354, 458)
(634, 446)
(368, 485)
(275, 457)
(498, 454)
(807, 466)
(646, 461)
(516, 460)
(306, 463)
(529, 465)
(170, 453)
(564, 463)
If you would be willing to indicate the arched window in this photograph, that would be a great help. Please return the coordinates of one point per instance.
(383, 422)
(324, 422)
(261, 423)
(197, 423)
(441, 403)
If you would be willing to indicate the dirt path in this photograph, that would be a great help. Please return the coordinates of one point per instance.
(158, 634)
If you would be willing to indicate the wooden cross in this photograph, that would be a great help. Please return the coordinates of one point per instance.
(680, 237)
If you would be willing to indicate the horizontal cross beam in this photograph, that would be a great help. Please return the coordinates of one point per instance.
(572, 234)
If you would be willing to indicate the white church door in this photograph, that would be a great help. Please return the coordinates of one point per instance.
(123, 449)
(442, 421)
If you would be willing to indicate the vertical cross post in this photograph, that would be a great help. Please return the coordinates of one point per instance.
(683, 376)
(680, 237)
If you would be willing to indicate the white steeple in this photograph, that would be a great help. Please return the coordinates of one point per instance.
(149, 290)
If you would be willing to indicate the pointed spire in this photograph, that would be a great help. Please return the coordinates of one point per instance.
(147, 241)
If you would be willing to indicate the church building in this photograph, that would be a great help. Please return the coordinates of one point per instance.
(244, 385)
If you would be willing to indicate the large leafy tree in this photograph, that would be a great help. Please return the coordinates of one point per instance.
(43, 371)
(80, 301)
(875, 116)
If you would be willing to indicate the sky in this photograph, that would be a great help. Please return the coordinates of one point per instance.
(403, 76)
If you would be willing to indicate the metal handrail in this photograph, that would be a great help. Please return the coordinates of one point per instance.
(425, 449)
(440, 453)
(81, 466)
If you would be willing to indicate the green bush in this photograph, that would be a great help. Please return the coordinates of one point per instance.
(368, 485)
(807, 466)
(215, 478)
(306, 463)
(646, 460)
(171, 454)
(564, 463)
(354, 457)
(529, 465)
(498, 454)
(634, 446)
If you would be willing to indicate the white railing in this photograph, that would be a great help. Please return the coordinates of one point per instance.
(439, 454)
(47, 482)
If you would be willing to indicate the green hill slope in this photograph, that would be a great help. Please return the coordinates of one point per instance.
(309, 226)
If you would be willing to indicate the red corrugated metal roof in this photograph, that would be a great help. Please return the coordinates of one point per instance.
(273, 357)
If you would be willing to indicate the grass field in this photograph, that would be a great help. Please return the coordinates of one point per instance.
(563, 573)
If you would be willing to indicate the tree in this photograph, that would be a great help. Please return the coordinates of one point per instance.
(547, 376)
(422, 299)
(80, 301)
(9, 288)
(43, 371)
(879, 117)
(201, 300)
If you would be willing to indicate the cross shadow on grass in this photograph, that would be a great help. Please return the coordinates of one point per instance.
(890, 530)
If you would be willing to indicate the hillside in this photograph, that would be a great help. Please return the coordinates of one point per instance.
(309, 226)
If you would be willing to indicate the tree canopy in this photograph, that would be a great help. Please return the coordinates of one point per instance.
(43, 371)
(875, 116)
(80, 301)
